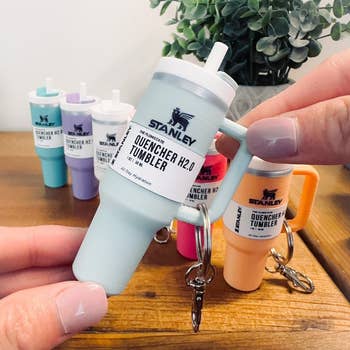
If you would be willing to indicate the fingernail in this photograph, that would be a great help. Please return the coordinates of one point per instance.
(273, 137)
(81, 306)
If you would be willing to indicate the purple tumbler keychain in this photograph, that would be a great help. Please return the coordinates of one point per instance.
(78, 142)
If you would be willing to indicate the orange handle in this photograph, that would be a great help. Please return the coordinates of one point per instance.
(307, 196)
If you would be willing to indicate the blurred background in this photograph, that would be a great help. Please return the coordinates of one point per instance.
(106, 43)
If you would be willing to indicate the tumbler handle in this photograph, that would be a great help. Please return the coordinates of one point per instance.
(307, 196)
(236, 170)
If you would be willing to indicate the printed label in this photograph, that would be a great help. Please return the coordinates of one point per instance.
(48, 137)
(202, 192)
(156, 163)
(254, 223)
(106, 141)
(78, 146)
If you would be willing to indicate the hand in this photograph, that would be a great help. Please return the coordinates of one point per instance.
(39, 310)
(307, 123)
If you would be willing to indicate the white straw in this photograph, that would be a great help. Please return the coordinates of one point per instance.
(83, 92)
(216, 57)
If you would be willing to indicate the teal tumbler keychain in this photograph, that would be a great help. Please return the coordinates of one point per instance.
(157, 162)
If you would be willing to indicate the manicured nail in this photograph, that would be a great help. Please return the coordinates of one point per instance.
(273, 137)
(81, 306)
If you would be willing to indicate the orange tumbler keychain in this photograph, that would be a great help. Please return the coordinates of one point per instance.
(255, 216)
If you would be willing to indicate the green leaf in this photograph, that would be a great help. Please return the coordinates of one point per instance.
(338, 8)
(166, 48)
(255, 25)
(267, 45)
(294, 19)
(201, 34)
(336, 31)
(182, 42)
(253, 5)
(175, 47)
(228, 9)
(165, 7)
(299, 54)
(267, 18)
(315, 48)
(199, 12)
(171, 22)
(298, 42)
(181, 26)
(281, 26)
(247, 14)
(279, 55)
(325, 17)
(189, 3)
(189, 33)
(154, 3)
(316, 32)
(194, 46)
(310, 24)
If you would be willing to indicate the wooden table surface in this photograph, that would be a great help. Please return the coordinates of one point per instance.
(154, 311)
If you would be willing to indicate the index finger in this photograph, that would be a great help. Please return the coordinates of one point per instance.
(24, 247)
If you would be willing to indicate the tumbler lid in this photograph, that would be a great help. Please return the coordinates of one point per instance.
(113, 110)
(207, 77)
(78, 101)
(258, 165)
(46, 94)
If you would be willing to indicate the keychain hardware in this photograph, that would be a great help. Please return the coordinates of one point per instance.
(300, 281)
(200, 274)
(163, 236)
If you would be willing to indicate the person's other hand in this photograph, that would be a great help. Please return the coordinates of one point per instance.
(38, 310)
(307, 123)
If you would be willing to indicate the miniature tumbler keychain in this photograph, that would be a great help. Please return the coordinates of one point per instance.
(203, 190)
(156, 164)
(48, 134)
(110, 119)
(255, 216)
(78, 142)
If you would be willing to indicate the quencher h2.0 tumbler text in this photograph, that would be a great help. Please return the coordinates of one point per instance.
(48, 135)
(156, 164)
(78, 142)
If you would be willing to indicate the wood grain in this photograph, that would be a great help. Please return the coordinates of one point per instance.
(154, 311)
(327, 233)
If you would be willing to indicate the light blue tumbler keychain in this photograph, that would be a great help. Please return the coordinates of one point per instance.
(48, 135)
(156, 164)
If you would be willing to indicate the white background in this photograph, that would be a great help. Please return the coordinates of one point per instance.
(107, 43)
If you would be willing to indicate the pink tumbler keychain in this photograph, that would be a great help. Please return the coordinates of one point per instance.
(202, 191)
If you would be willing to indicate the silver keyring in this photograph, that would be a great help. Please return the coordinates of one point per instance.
(279, 258)
(205, 269)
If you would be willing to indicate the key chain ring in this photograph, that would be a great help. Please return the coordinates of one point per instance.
(169, 231)
(203, 247)
(279, 258)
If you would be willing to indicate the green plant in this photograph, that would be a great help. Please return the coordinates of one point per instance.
(266, 38)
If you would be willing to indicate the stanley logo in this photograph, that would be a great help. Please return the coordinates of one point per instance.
(179, 120)
(268, 198)
(44, 121)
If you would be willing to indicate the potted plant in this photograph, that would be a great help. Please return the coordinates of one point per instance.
(266, 38)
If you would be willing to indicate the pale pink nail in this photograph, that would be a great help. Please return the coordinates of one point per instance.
(81, 306)
(273, 138)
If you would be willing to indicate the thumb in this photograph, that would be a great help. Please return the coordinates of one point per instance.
(318, 134)
(41, 318)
